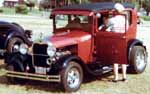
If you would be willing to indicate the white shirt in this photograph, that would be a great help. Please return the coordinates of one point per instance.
(117, 24)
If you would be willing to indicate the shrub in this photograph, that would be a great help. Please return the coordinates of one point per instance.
(1, 11)
(146, 18)
(30, 4)
(22, 9)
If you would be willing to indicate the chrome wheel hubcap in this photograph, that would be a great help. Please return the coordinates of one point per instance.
(140, 60)
(73, 78)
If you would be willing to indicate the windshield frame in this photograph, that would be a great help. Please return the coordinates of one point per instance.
(64, 29)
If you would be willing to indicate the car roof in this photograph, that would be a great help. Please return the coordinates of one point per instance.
(93, 6)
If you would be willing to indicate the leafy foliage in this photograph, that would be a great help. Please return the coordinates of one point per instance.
(30, 4)
(22, 9)
(1, 11)
(146, 6)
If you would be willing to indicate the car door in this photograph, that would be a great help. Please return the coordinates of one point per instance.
(111, 47)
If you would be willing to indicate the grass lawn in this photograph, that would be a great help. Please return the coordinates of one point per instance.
(146, 18)
(8, 10)
(11, 11)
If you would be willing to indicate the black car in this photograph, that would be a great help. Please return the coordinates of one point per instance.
(11, 35)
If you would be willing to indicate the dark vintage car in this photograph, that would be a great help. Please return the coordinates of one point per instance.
(11, 35)
(78, 47)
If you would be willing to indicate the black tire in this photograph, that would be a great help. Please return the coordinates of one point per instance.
(72, 84)
(14, 80)
(138, 59)
(12, 42)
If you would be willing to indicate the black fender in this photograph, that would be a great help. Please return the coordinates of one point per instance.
(15, 60)
(64, 61)
(16, 30)
(131, 43)
(18, 60)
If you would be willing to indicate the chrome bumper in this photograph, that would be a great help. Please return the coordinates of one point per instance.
(31, 76)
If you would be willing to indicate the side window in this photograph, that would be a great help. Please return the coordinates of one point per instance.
(102, 21)
(61, 21)
(114, 22)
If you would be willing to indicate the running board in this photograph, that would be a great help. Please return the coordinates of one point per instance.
(104, 70)
(99, 71)
(31, 76)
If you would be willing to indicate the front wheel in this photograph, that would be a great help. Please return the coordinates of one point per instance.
(72, 77)
(138, 59)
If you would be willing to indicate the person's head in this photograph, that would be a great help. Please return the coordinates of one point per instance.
(105, 20)
(76, 20)
(119, 8)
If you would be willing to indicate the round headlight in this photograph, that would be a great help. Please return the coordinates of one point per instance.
(51, 50)
(23, 49)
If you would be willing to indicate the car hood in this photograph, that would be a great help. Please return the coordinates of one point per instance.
(69, 38)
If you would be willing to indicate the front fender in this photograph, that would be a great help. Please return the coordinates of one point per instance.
(18, 59)
(10, 35)
(17, 31)
(64, 61)
(18, 35)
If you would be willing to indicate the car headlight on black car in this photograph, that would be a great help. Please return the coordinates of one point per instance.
(23, 49)
(51, 50)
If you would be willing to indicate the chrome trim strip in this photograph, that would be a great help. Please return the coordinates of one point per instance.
(31, 76)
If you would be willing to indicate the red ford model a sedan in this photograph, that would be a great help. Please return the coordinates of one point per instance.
(78, 46)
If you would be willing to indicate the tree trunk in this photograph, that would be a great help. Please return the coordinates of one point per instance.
(147, 13)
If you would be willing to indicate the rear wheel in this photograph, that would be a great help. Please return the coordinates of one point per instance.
(13, 44)
(72, 77)
(138, 59)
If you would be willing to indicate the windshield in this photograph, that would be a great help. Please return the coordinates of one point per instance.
(72, 22)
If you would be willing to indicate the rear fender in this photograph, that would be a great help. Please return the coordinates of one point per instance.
(131, 43)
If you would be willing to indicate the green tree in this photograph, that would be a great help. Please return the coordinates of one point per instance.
(30, 3)
(146, 6)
